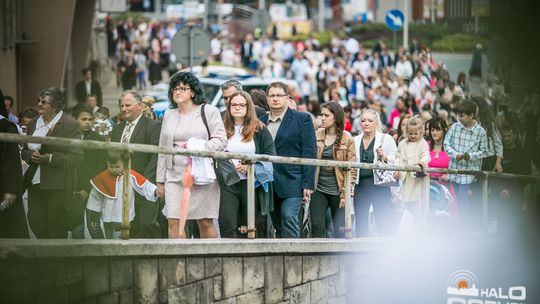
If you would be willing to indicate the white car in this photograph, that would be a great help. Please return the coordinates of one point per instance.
(212, 90)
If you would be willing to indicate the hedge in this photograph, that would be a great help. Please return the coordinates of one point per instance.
(459, 43)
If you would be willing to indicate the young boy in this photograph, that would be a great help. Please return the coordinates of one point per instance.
(466, 145)
(107, 194)
(92, 164)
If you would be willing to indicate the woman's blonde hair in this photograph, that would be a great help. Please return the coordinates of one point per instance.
(377, 117)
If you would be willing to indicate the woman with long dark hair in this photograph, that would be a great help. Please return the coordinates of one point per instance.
(484, 116)
(245, 134)
(438, 128)
(332, 144)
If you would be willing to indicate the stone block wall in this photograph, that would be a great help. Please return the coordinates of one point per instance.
(226, 279)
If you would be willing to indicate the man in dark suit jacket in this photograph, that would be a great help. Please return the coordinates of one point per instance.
(87, 87)
(13, 217)
(52, 175)
(294, 136)
(246, 50)
(138, 129)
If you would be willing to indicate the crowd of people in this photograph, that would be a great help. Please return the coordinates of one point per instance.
(351, 106)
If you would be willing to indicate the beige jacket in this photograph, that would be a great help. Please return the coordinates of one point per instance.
(346, 152)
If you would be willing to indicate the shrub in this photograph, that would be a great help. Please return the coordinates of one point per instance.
(459, 43)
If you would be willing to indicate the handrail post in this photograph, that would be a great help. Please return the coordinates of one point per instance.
(485, 202)
(126, 159)
(348, 204)
(251, 200)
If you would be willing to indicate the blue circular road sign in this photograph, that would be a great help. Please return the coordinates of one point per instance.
(394, 19)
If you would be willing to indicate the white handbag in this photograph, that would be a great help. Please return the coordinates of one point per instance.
(381, 177)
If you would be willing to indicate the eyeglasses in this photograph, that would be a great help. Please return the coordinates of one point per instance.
(181, 89)
(238, 105)
(274, 96)
(44, 102)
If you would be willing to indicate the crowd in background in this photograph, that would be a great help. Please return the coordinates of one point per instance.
(349, 104)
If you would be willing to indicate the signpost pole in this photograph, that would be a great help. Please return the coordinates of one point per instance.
(190, 41)
(406, 24)
(395, 40)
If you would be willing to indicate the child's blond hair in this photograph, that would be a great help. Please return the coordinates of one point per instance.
(415, 121)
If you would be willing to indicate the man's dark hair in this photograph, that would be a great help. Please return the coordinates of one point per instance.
(278, 84)
(81, 108)
(114, 157)
(84, 70)
(505, 127)
(56, 96)
(7, 97)
(467, 107)
(28, 112)
(190, 80)
(259, 98)
(104, 111)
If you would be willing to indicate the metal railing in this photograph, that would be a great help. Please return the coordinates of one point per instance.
(250, 160)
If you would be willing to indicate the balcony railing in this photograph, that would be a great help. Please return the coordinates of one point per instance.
(250, 160)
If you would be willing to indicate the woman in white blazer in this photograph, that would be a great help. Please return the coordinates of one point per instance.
(370, 145)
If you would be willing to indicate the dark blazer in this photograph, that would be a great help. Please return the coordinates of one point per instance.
(146, 132)
(95, 89)
(93, 162)
(10, 162)
(246, 55)
(264, 144)
(295, 138)
(61, 172)
(13, 219)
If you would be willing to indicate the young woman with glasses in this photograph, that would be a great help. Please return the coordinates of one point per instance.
(245, 134)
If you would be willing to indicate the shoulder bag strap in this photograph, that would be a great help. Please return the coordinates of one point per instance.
(203, 116)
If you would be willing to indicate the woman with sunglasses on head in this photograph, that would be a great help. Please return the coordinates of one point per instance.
(371, 145)
(332, 144)
(184, 121)
(245, 134)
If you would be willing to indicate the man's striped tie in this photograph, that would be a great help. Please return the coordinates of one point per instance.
(127, 133)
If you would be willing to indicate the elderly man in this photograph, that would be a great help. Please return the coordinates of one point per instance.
(139, 129)
(52, 175)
